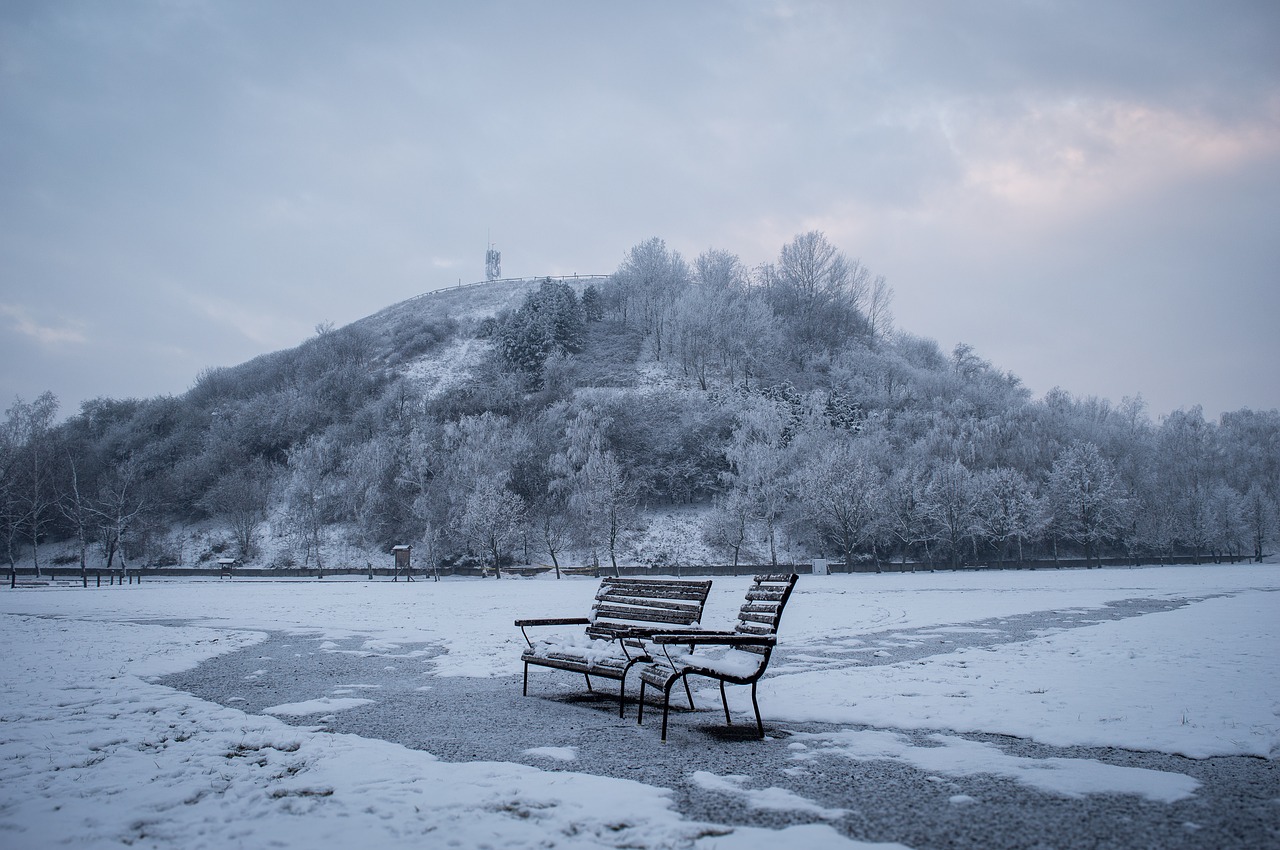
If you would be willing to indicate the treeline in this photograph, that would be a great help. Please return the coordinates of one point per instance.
(781, 398)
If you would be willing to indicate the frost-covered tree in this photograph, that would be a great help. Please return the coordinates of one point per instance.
(720, 270)
(1086, 504)
(600, 496)
(475, 455)
(592, 304)
(549, 322)
(949, 506)
(606, 500)
(842, 493)
(819, 293)
(697, 322)
(309, 495)
(758, 467)
(1228, 523)
(490, 519)
(1187, 455)
(1007, 510)
(905, 506)
(648, 282)
(1262, 519)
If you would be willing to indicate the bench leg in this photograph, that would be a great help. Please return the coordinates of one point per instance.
(622, 696)
(588, 678)
(666, 702)
(756, 706)
(640, 705)
(725, 702)
(526, 678)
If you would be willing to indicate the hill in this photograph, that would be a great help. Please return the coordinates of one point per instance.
(674, 412)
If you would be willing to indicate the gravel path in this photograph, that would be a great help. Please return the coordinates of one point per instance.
(468, 719)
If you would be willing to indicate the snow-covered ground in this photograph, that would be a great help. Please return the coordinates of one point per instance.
(94, 752)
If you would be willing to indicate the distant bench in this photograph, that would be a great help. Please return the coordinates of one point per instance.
(624, 610)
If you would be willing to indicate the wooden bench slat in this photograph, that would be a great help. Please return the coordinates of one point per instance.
(645, 615)
(640, 602)
(691, 594)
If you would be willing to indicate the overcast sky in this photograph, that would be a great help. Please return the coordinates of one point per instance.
(1086, 193)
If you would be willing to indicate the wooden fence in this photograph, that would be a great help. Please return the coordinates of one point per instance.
(26, 577)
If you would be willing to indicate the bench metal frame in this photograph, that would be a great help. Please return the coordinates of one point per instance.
(626, 611)
(756, 632)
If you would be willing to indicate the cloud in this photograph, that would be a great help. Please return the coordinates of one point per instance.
(46, 334)
(275, 169)
(1078, 154)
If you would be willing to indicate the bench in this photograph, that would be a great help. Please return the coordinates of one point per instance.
(748, 649)
(625, 611)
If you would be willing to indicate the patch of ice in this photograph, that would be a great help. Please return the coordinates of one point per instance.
(770, 799)
(556, 753)
(811, 836)
(954, 756)
(316, 706)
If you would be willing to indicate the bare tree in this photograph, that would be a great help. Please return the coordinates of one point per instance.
(819, 292)
(119, 503)
(651, 278)
(74, 506)
(33, 494)
(730, 522)
(241, 498)
(879, 316)
(551, 518)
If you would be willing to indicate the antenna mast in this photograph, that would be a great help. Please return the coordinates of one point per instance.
(492, 261)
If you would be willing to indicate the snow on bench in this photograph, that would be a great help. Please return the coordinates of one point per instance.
(625, 611)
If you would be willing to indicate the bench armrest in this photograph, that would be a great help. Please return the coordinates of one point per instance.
(554, 621)
(716, 639)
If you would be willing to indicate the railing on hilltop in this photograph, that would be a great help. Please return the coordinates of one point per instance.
(574, 278)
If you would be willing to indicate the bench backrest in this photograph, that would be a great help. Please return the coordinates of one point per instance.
(623, 604)
(762, 611)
